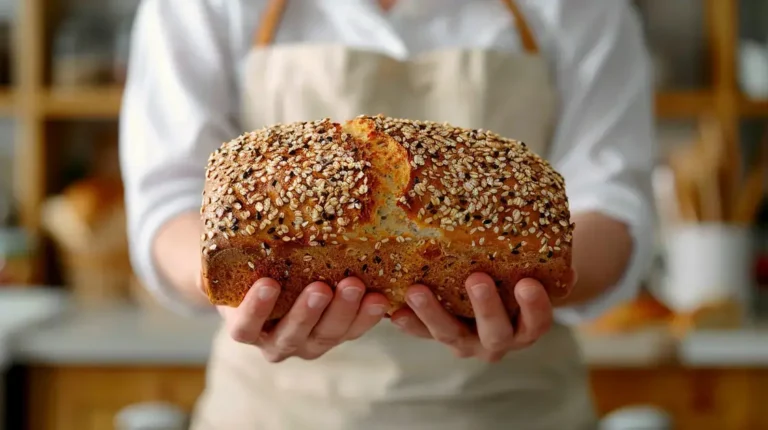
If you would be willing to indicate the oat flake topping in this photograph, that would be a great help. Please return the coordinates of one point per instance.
(310, 184)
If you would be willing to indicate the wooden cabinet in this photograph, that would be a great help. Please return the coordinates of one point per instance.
(697, 399)
(78, 398)
(75, 398)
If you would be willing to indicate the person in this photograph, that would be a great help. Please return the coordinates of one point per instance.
(570, 78)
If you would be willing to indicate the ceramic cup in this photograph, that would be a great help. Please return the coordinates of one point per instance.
(707, 263)
(753, 69)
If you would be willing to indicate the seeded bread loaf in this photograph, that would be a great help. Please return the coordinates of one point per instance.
(393, 202)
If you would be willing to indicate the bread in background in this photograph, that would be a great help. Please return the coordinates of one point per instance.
(642, 313)
(87, 222)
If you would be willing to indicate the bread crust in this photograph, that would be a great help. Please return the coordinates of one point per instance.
(393, 202)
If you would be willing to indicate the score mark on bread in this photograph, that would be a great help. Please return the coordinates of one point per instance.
(391, 201)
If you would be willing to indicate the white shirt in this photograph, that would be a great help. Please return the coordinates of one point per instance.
(181, 100)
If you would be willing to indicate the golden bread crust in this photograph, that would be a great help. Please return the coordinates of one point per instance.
(391, 201)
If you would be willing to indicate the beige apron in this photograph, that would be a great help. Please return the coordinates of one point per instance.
(388, 380)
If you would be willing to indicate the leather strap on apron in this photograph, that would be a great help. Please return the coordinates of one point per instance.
(270, 21)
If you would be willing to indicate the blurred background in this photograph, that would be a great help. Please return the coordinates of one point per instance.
(83, 347)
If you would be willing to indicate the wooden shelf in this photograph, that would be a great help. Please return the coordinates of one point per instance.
(683, 104)
(81, 103)
(7, 106)
(753, 108)
(106, 102)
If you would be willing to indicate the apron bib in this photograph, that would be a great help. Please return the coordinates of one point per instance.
(387, 380)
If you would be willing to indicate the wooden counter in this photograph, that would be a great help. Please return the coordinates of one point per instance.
(87, 398)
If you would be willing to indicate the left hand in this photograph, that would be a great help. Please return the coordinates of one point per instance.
(495, 334)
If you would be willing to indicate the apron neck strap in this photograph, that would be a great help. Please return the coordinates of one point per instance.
(265, 34)
(526, 35)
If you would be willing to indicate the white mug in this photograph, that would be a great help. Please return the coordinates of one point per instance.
(151, 416)
(753, 69)
(707, 263)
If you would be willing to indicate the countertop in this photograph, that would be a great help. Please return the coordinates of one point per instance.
(118, 335)
(48, 329)
(726, 348)
(126, 335)
(23, 308)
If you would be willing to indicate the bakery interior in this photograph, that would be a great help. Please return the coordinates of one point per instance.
(83, 346)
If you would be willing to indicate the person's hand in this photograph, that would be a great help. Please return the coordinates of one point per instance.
(494, 335)
(319, 319)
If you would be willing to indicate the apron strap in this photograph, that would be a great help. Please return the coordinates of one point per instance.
(269, 23)
(526, 35)
(274, 14)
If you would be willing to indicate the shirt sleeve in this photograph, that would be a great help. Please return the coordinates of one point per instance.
(604, 143)
(178, 106)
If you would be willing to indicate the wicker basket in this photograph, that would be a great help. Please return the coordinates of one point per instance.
(87, 222)
(98, 278)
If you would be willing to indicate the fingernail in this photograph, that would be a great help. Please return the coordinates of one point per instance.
(351, 294)
(480, 291)
(317, 300)
(401, 322)
(417, 300)
(266, 293)
(377, 310)
(527, 292)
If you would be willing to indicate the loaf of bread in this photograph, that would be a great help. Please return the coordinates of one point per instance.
(391, 201)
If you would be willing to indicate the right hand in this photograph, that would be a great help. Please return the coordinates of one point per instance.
(318, 321)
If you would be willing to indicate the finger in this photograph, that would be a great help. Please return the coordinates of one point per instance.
(492, 356)
(245, 322)
(409, 323)
(494, 327)
(406, 320)
(443, 327)
(292, 332)
(535, 311)
(338, 317)
(372, 310)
